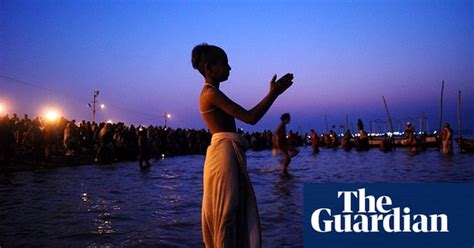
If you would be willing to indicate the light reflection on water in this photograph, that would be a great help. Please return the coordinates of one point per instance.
(117, 205)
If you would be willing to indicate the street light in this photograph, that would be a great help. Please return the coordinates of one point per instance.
(102, 106)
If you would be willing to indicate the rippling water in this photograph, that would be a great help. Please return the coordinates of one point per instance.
(117, 205)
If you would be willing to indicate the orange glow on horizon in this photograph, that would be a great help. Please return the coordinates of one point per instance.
(52, 114)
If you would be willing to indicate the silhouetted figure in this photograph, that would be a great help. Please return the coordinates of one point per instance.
(385, 144)
(447, 139)
(305, 140)
(71, 138)
(131, 142)
(229, 208)
(105, 150)
(284, 144)
(327, 140)
(346, 142)
(314, 141)
(7, 144)
(333, 139)
(411, 141)
(33, 140)
(50, 140)
(143, 148)
(362, 141)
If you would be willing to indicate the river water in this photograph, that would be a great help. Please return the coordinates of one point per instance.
(118, 205)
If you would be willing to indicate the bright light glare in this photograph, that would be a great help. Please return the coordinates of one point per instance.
(168, 116)
(110, 121)
(51, 115)
(2, 108)
(102, 106)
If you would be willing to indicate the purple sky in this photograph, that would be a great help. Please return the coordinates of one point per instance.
(344, 54)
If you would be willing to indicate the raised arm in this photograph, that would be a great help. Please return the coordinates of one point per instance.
(252, 116)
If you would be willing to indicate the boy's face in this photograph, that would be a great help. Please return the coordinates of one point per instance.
(219, 71)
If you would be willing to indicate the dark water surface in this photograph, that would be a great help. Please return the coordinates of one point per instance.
(117, 205)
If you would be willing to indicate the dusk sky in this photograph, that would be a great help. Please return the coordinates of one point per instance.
(345, 55)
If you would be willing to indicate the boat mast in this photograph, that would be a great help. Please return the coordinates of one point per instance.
(441, 107)
(422, 122)
(347, 123)
(327, 127)
(440, 112)
(459, 114)
(388, 114)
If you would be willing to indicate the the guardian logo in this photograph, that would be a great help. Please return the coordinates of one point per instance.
(374, 215)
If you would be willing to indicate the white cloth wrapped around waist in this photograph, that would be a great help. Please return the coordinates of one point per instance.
(229, 208)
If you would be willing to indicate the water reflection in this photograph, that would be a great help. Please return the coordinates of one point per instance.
(120, 205)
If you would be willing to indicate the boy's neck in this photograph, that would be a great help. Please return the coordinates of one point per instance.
(209, 81)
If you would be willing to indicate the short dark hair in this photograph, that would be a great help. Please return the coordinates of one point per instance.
(285, 116)
(205, 54)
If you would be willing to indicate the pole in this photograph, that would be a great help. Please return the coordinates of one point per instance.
(165, 119)
(327, 127)
(441, 107)
(93, 109)
(96, 94)
(347, 123)
(440, 121)
(388, 114)
(459, 114)
(422, 122)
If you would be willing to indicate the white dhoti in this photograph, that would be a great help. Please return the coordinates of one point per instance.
(229, 208)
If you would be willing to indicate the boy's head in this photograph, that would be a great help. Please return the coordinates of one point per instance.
(285, 118)
(211, 61)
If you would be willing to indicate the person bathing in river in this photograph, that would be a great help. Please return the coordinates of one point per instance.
(287, 149)
(361, 141)
(314, 141)
(229, 208)
(346, 142)
(333, 139)
(447, 139)
(411, 138)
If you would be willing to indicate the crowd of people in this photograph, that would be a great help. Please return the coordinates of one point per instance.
(40, 141)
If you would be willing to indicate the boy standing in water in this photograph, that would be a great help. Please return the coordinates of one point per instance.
(229, 209)
(287, 150)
